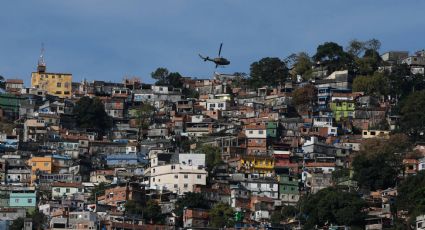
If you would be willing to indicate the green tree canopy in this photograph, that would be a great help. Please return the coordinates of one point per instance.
(212, 156)
(283, 214)
(98, 190)
(379, 161)
(190, 200)
(90, 114)
(150, 212)
(268, 71)
(378, 84)
(164, 77)
(160, 75)
(303, 65)
(2, 83)
(305, 97)
(412, 111)
(221, 215)
(333, 206)
(144, 115)
(411, 195)
(369, 63)
(332, 55)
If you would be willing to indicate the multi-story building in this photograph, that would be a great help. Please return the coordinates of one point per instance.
(178, 173)
(43, 164)
(57, 84)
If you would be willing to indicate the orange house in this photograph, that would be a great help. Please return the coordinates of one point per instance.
(43, 164)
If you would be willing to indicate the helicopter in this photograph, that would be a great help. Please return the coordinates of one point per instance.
(218, 60)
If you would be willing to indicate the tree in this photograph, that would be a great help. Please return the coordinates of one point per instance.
(239, 80)
(160, 75)
(39, 220)
(18, 224)
(283, 214)
(412, 111)
(212, 156)
(143, 118)
(90, 114)
(164, 77)
(378, 84)
(190, 200)
(303, 65)
(379, 161)
(305, 97)
(268, 71)
(2, 83)
(333, 206)
(221, 216)
(411, 195)
(355, 47)
(97, 191)
(332, 55)
(175, 79)
(150, 212)
(190, 93)
(369, 63)
(373, 44)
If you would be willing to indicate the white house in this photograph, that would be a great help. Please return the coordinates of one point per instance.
(179, 174)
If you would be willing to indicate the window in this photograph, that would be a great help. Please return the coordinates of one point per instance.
(173, 167)
(29, 201)
(176, 177)
(16, 200)
(68, 190)
(251, 132)
(34, 164)
(185, 185)
(186, 176)
(46, 164)
(364, 133)
(260, 132)
(57, 189)
(199, 176)
(270, 185)
(59, 84)
(176, 186)
(372, 133)
(153, 179)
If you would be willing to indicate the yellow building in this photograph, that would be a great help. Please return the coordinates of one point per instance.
(257, 164)
(58, 84)
(40, 164)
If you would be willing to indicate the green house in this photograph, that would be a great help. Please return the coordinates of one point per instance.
(288, 189)
(342, 109)
(23, 199)
(272, 129)
(10, 103)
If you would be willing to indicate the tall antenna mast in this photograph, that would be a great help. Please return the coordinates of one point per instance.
(41, 67)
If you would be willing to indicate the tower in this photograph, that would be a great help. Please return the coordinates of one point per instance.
(41, 66)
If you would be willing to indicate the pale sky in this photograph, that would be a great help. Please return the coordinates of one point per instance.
(106, 40)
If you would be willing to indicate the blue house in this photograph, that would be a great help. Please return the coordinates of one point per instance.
(123, 159)
(23, 199)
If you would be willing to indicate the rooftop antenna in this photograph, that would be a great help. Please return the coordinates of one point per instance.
(41, 67)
